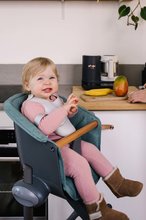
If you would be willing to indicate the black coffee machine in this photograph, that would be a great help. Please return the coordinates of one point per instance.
(99, 72)
(91, 72)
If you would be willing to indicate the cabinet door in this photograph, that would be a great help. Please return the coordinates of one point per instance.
(125, 147)
(59, 209)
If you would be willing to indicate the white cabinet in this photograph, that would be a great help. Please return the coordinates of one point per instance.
(125, 147)
(5, 121)
(59, 209)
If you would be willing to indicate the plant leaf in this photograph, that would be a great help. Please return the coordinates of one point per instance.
(135, 19)
(122, 7)
(143, 13)
(123, 11)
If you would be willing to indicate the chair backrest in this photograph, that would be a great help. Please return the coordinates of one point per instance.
(12, 107)
(40, 153)
(34, 148)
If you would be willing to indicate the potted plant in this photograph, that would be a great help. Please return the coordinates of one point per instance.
(130, 13)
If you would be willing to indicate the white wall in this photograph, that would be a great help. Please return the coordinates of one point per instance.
(66, 31)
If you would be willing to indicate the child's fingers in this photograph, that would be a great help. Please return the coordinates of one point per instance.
(73, 101)
(73, 110)
(72, 97)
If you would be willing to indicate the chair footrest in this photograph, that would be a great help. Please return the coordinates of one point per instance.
(30, 195)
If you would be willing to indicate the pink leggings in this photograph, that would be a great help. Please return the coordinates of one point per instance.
(77, 167)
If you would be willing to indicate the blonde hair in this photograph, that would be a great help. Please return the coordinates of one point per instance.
(34, 67)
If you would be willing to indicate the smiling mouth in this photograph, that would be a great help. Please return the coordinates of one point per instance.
(47, 90)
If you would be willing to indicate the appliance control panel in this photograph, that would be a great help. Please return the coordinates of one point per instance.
(7, 136)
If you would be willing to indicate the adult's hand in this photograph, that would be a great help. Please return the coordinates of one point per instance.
(137, 96)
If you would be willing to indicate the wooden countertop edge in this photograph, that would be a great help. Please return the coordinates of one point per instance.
(110, 107)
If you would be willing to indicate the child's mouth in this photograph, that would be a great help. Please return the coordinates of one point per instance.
(47, 90)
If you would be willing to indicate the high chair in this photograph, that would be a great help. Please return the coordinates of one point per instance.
(41, 159)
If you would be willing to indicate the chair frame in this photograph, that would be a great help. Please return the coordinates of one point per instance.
(37, 178)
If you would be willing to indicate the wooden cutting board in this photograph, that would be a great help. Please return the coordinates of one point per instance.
(109, 97)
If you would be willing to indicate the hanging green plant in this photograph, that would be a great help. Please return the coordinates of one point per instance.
(133, 19)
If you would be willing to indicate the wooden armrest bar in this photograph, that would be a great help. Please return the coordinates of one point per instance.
(68, 139)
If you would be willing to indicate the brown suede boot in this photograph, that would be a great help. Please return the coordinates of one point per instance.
(100, 211)
(122, 187)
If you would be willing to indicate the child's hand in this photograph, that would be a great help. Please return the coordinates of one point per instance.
(71, 104)
(75, 101)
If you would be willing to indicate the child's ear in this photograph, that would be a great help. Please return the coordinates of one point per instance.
(26, 85)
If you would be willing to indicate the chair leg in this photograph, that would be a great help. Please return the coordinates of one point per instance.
(28, 213)
(46, 210)
(73, 216)
(79, 209)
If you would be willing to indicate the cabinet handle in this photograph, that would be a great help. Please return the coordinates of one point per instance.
(9, 159)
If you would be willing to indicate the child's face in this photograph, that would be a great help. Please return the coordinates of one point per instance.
(43, 84)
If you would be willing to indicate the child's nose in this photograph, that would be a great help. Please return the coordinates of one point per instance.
(47, 81)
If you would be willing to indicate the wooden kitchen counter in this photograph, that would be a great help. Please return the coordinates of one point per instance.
(106, 104)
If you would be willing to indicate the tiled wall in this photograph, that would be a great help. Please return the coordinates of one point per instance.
(70, 74)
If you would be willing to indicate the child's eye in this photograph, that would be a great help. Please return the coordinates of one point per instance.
(52, 77)
(40, 78)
